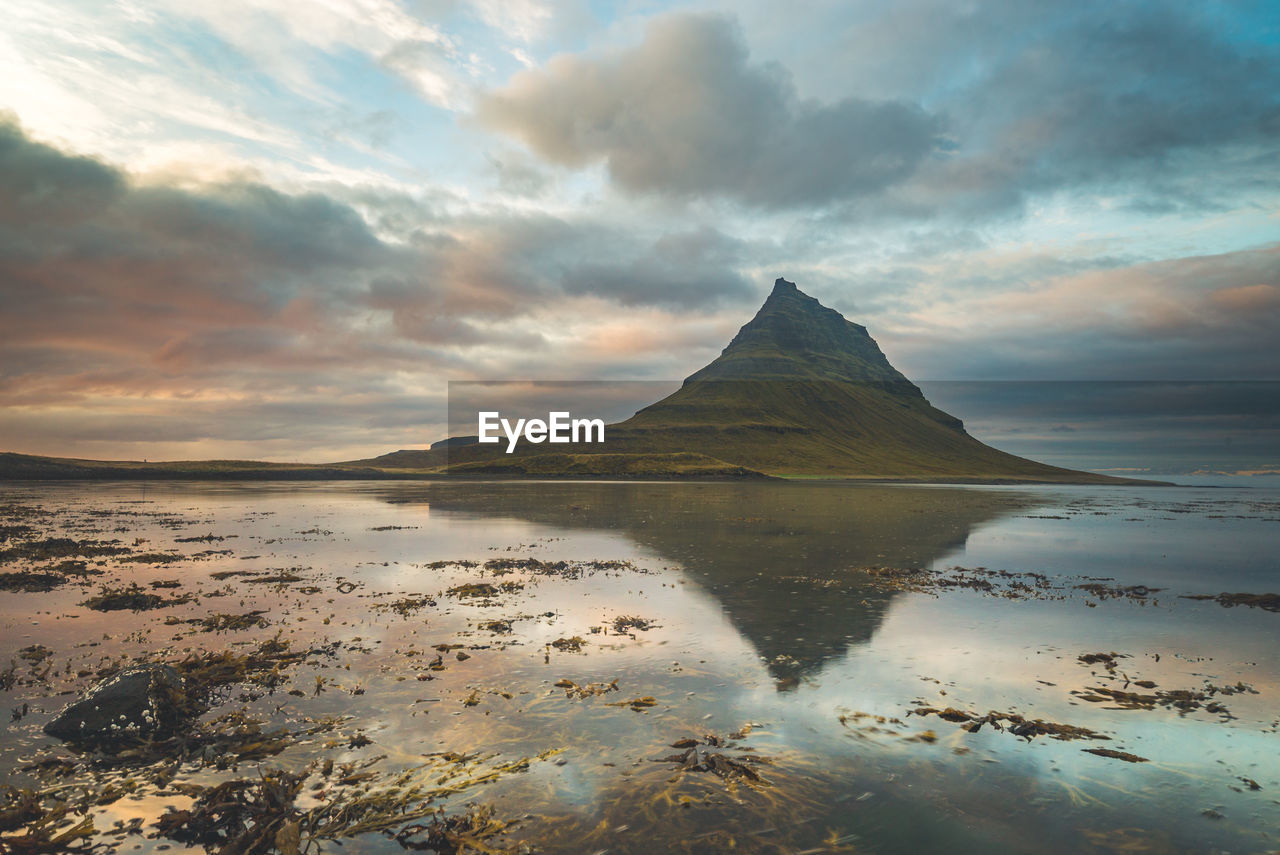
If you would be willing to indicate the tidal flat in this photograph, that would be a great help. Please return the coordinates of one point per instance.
(642, 667)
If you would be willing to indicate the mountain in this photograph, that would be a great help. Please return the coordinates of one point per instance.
(799, 391)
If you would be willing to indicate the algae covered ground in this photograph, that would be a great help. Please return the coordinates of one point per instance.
(630, 667)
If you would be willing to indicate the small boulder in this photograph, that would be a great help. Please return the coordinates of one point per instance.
(142, 702)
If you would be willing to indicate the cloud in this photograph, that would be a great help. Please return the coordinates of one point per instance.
(682, 269)
(1160, 108)
(143, 302)
(1137, 101)
(1205, 317)
(279, 40)
(1162, 426)
(686, 114)
(43, 187)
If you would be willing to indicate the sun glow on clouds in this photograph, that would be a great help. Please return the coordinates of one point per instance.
(238, 227)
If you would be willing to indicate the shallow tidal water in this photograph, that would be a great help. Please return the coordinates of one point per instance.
(861, 693)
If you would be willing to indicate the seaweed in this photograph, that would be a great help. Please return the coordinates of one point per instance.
(18, 807)
(35, 653)
(229, 574)
(154, 558)
(407, 606)
(62, 547)
(1267, 602)
(44, 822)
(1107, 660)
(73, 567)
(1107, 592)
(440, 565)
(13, 532)
(207, 673)
(279, 576)
(30, 581)
(242, 816)
(573, 690)
(470, 831)
(1118, 755)
(483, 589)
(1014, 723)
(132, 598)
(624, 624)
(1182, 700)
(47, 578)
(637, 704)
(1006, 584)
(231, 622)
(254, 816)
(696, 756)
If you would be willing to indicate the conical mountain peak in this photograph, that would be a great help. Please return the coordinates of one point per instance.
(793, 336)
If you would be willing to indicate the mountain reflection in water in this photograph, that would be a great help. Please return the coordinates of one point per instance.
(761, 550)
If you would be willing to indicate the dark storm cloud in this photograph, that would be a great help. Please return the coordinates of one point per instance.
(687, 114)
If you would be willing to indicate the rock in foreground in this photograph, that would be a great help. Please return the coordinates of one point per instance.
(141, 702)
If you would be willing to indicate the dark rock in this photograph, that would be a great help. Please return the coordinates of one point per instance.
(142, 702)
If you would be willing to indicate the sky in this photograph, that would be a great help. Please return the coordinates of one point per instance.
(277, 230)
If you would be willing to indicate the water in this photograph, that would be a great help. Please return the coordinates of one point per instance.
(761, 618)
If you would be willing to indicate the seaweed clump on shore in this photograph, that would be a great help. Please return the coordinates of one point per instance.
(62, 547)
(132, 598)
(1016, 724)
(44, 822)
(243, 816)
(31, 581)
(625, 624)
(1266, 602)
(1181, 700)
(258, 815)
(39, 580)
(719, 756)
(231, 622)
(1106, 660)
(1116, 755)
(407, 606)
(483, 590)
